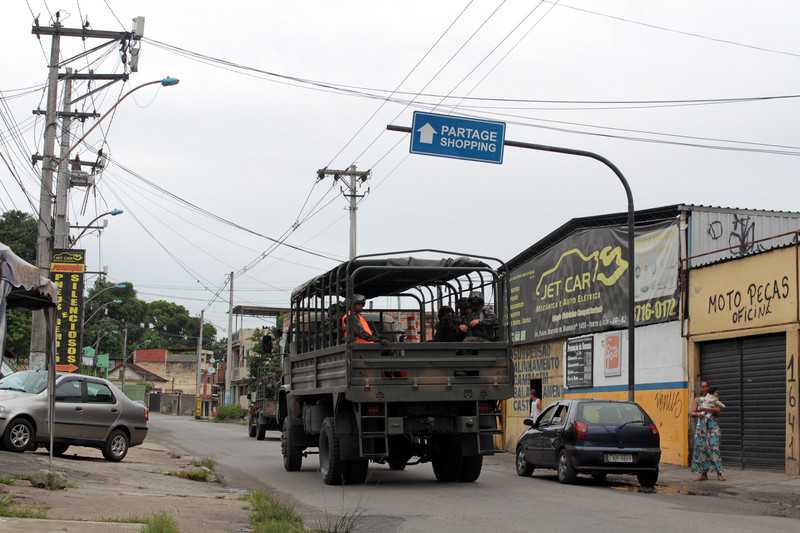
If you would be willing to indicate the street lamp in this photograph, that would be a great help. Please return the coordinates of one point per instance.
(121, 285)
(114, 212)
(164, 82)
(117, 301)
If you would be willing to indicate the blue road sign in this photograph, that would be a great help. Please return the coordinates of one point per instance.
(457, 137)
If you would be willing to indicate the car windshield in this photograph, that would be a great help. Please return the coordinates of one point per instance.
(610, 413)
(29, 381)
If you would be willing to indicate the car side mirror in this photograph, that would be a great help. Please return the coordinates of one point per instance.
(529, 422)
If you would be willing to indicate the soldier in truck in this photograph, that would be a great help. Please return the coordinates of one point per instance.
(481, 322)
(354, 323)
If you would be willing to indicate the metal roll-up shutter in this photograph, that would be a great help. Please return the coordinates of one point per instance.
(750, 375)
(720, 365)
(764, 393)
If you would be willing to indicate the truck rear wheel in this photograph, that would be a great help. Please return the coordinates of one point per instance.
(292, 453)
(251, 427)
(331, 466)
(447, 460)
(471, 468)
(261, 429)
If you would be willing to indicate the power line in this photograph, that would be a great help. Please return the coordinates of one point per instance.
(114, 14)
(405, 78)
(370, 92)
(681, 32)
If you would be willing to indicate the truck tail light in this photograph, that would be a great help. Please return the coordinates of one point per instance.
(581, 430)
(374, 410)
(395, 374)
(146, 414)
(485, 407)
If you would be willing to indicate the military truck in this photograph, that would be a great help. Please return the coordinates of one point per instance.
(265, 381)
(406, 399)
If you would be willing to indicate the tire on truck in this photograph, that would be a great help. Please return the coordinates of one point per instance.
(292, 444)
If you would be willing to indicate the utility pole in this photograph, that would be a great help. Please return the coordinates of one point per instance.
(61, 235)
(229, 353)
(198, 394)
(350, 190)
(52, 235)
(44, 245)
(124, 358)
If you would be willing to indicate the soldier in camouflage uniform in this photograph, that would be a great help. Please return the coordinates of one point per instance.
(480, 320)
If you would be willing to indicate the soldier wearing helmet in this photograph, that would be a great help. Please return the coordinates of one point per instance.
(480, 322)
(355, 326)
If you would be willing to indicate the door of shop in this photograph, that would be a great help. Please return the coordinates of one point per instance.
(751, 378)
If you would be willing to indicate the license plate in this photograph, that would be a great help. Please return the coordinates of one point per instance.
(619, 458)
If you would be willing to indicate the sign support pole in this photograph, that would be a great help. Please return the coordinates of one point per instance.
(631, 237)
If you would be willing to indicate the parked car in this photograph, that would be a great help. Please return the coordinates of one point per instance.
(89, 411)
(596, 437)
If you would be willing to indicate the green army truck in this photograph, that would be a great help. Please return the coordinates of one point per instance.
(406, 399)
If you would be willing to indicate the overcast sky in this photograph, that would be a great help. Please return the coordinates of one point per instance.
(248, 149)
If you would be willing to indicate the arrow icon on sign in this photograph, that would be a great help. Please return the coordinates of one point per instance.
(66, 368)
(426, 133)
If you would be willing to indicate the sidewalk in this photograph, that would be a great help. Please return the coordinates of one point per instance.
(33, 525)
(757, 485)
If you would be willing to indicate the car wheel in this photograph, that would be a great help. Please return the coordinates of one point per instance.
(19, 436)
(600, 477)
(355, 472)
(292, 453)
(447, 461)
(251, 428)
(566, 473)
(524, 468)
(470, 468)
(648, 479)
(331, 465)
(116, 447)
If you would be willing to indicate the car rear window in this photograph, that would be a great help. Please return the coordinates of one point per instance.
(610, 413)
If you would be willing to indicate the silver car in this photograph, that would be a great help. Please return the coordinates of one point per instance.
(90, 412)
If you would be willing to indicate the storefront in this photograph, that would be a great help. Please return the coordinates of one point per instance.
(743, 340)
(569, 313)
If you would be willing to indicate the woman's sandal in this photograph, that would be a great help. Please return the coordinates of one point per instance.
(721, 477)
(702, 477)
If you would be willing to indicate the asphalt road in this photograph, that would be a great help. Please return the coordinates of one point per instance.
(500, 501)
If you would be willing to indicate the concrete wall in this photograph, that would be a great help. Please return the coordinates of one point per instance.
(661, 383)
(661, 378)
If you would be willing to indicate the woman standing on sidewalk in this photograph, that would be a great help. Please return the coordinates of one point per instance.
(706, 436)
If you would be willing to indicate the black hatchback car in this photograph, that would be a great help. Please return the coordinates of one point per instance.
(596, 437)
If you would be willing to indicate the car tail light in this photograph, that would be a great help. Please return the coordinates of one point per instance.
(146, 414)
(654, 429)
(581, 430)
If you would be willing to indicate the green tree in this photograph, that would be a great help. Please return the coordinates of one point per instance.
(18, 231)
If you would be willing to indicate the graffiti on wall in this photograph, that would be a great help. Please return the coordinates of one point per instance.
(538, 361)
(669, 403)
(741, 235)
(791, 408)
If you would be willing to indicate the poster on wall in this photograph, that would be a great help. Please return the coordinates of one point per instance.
(610, 346)
(67, 268)
(579, 285)
(579, 355)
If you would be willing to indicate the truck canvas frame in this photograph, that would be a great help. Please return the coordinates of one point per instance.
(405, 400)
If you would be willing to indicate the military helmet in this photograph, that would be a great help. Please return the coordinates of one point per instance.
(359, 299)
(475, 298)
(462, 303)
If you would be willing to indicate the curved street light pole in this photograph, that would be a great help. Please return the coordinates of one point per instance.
(165, 82)
(631, 239)
(113, 213)
(100, 309)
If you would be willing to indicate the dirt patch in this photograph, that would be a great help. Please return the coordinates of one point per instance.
(100, 490)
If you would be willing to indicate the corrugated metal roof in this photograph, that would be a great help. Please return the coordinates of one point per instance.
(730, 209)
